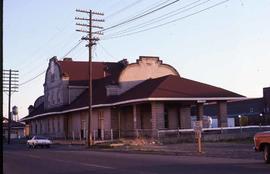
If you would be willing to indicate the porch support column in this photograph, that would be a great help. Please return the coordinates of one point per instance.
(157, 118)
(119, 122)
(184, 117)
(222, 114)
(135, 120)
(199, 111)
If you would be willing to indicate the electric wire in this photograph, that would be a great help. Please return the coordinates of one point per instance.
(138, 17)
(177, 19)
(106, 51)
(159, 18)
(122, 9)
(149, 8)
(33, 78)
(73, 48)
(38, 75)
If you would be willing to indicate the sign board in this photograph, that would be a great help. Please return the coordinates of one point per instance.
(198, 126)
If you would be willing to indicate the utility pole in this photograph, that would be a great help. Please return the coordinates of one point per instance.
(10, 84)
(91, 42)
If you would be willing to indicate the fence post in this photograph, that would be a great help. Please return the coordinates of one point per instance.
(111, 135)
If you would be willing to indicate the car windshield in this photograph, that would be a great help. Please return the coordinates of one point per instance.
(40, 138)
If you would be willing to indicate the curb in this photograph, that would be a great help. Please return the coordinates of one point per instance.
(152, 152)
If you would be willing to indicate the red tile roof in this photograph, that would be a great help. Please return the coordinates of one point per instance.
(78, 70)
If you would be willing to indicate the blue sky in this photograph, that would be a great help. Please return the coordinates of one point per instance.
(225, 46)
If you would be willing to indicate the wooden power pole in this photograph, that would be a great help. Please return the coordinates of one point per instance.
(10, 85)
(91, 42)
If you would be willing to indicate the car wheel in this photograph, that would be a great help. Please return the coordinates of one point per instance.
(266, 154)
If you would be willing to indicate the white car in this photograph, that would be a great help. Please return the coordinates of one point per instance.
(39, 141)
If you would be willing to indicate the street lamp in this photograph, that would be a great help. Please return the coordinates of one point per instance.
(261, 119)
(239, 116)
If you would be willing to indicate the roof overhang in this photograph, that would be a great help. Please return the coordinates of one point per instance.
(197, 99)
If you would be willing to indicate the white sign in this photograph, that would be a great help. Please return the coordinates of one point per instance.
(198, 126)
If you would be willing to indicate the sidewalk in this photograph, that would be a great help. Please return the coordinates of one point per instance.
(239, 150)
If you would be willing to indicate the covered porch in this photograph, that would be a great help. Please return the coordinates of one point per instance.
(146, 119)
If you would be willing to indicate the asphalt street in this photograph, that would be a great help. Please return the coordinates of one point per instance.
(17, 159)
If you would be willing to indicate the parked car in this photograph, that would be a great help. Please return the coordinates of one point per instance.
(39, 141)
(262, 144)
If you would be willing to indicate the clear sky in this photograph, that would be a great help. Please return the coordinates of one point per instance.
(226, 46)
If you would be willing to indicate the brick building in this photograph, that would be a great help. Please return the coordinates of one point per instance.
(128, 99)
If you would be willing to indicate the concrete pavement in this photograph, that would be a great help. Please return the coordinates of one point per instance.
(76, 159)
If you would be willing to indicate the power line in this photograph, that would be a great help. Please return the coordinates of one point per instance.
(149, 8)
(123, 9)
(27, 81)
(33, 78)
(80, 41)
(37, 51)
(177, 19)
(106, 51)
(40, 61)
(160, 18)
(140, 16)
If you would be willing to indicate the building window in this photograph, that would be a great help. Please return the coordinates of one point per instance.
(166, 118)
(251, 110)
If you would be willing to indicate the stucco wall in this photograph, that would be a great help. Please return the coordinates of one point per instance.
(55, 89)
(144, 68)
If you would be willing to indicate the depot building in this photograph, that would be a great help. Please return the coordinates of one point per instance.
(129, 99)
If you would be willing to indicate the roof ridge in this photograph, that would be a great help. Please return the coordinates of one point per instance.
(81, 61)
(162, 79)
